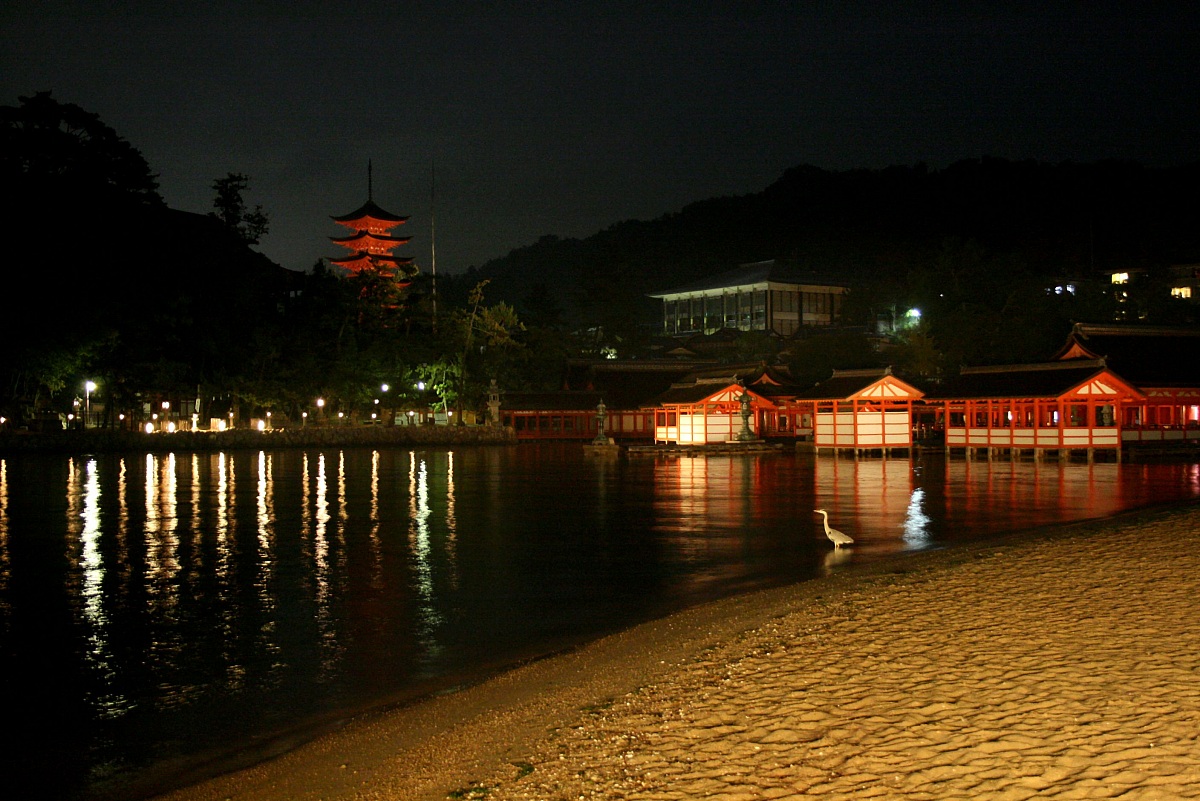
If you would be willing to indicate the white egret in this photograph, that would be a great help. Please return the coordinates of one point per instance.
(836, 537)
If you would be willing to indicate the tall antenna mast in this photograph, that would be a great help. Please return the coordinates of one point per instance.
(433, 235)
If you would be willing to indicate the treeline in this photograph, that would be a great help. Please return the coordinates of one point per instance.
(101, 282)
(995, 233)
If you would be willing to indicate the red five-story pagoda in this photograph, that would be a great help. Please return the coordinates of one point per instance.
(371, 244)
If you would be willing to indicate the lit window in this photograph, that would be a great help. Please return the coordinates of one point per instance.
(1120, 278)
(1181, 292)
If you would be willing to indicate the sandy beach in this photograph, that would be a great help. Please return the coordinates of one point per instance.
(1058, 664)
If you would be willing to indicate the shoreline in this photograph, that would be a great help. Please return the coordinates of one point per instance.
(734, 698)
(108, 440)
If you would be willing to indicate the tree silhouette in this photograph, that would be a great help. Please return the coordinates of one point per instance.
(58, 151)
(251, 226)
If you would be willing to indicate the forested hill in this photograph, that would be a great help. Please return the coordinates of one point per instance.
(872, 227)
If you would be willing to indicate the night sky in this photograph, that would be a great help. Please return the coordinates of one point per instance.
(564, 118)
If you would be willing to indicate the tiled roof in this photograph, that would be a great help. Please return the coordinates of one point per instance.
(693, 393)
(776, 270)
(1147, 356)
(563, 401)
(369, 209)
(628, 384)
(1044, 380)
(844, 383)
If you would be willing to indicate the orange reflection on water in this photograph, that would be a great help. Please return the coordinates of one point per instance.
(1013, 495)
(324, 564)
(872, 500)
(703, 493)
(265, 498)
(5, 559)
(161, 532)
(428, 617)
(705, 510)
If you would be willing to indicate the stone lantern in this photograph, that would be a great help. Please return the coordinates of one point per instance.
(601, 418)
(493, 403)
(746, 434)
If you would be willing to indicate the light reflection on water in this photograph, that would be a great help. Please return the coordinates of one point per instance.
(176, 605)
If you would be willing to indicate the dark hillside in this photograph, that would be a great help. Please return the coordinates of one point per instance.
(874, 226)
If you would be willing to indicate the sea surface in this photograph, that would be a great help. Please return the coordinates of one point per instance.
(165, 617)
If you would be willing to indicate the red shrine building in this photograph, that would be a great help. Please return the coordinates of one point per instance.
(857, 410)
(707, 407)
(1162, 362)
(1061, 406)
(372, 243)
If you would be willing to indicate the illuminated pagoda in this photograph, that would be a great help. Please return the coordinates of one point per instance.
(372, 243)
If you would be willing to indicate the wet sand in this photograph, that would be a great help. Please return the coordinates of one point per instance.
(1060, 664)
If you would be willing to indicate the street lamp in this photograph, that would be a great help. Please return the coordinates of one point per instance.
(88, 388)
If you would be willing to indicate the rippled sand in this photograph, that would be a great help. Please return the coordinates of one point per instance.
(1062, 666)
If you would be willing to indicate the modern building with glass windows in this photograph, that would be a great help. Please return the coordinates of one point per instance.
(774, 295)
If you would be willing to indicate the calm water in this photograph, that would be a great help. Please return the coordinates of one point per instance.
(160, 613)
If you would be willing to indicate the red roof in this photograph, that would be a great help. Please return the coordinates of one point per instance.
(369, 209)
(361, 261)
(358, 241)
(1147, 356)
(1043, 380)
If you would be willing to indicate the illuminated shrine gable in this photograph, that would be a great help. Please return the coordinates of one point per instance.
(889, 387)
(1105, 385)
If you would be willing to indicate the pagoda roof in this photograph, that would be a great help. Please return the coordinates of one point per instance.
(370, 209)
(1149, 356)
(360, 261)
(351, 240)
(758, 274)
(1042, 380)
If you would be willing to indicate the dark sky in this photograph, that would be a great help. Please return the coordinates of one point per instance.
(566, 117)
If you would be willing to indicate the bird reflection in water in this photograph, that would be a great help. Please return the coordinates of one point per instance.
(835, 559)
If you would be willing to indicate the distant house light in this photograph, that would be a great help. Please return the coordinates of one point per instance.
(1184, 292)
(1120, 278)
